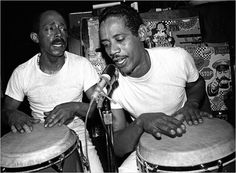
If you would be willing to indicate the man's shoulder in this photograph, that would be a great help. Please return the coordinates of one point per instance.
(75, 58)
(29, 64)
(166, 49)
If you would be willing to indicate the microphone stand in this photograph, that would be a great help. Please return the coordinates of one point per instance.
(106, 119)
(103, 103)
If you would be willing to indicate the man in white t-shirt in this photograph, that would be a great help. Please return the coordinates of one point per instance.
(159, 87)
(53, 82)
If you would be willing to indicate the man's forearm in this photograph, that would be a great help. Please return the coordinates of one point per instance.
(126, 140)
(195, 92)
(82, 109)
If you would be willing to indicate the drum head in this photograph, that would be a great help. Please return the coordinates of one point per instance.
(41, 145)
(207, 142)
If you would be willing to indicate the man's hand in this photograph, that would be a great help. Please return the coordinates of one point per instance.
(21, 122)
(160, 123)
(61, 114)
(192, 114)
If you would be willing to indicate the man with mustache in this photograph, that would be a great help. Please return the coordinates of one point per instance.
(154, 86)
(222, 77)
(53, 82)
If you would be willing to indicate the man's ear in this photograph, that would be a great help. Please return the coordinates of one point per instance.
(34, 37)
(142, 32)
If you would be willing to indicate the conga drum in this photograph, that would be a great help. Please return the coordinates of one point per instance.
(206, 147)
(52, 149)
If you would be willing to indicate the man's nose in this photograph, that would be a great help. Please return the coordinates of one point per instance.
(57, 32)
(114, 50)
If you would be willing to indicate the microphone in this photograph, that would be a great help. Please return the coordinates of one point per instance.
(107, 76)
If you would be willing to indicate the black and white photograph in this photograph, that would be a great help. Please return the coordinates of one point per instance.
(118, 86)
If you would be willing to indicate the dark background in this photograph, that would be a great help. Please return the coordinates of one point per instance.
(217, 24)
(217, 20)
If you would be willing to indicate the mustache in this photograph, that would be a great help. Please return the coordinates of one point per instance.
(58, 40)
(224, 78)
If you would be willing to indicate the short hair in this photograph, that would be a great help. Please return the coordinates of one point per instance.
(37, 18)
(132, 18)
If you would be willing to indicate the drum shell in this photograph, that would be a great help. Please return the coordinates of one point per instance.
(39, 149)
(201, 144)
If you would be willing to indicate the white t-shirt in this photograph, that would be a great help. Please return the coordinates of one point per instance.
(162, 88)
(45, 91)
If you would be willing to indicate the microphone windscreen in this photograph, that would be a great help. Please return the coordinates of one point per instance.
(110, 70)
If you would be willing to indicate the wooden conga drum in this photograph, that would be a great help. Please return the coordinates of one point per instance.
(52, 149)
(209, 146)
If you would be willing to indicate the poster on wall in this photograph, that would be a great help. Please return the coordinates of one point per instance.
(211, 59)
(173, 32)
(218, 77)
(213, 63)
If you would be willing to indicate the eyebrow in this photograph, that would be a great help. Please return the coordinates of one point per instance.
(53, 23)
(116, 35)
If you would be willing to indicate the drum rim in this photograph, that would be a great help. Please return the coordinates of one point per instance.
(205, 166)
(43, 165)
(207, 153)
(60, 145)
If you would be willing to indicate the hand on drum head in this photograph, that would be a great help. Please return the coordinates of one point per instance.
(21, 122)
(191, 114)
(61, 114)
(160, 123)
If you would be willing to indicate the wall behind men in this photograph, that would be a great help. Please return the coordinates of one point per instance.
(217, 24)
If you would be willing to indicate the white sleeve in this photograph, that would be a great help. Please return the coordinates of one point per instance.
(91, 76)
(190, 67)
(14, 87)
(115, 98)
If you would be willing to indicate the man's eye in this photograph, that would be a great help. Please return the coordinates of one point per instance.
(49, 28)
(119, 39)
(63, 28)
(105, 45)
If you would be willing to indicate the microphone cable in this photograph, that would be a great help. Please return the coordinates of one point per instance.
(85, 132)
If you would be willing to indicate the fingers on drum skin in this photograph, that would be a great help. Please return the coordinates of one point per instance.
(29, 124)
(54, 121)
(26, 128)
(206, 114)
(13, 129)
(197, 118)
(19, 128)
(61, 121)
(182, 129)
(168, 129)
(156, 132)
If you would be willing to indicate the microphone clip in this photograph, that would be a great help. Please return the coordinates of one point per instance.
(101, 97)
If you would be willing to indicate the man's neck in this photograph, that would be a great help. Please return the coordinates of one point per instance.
(50, 64)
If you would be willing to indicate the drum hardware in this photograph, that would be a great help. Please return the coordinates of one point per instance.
(149, 167)
(213, 151)
(58, 151)
(53, 163)
(220, 166)
(59, 168)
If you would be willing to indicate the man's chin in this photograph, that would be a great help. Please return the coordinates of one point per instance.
(58, 53)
